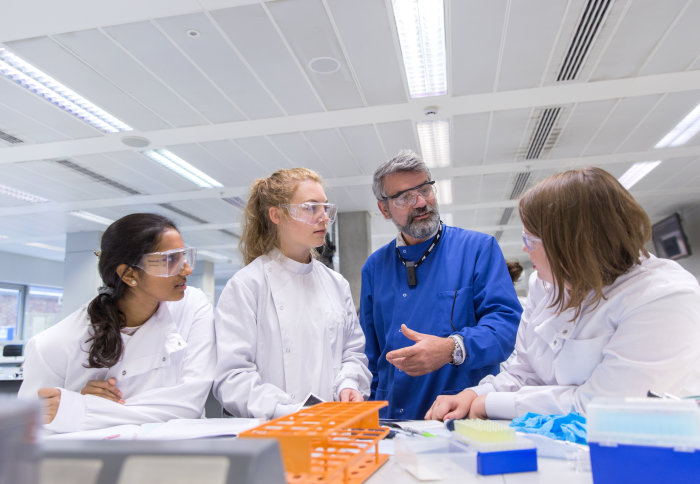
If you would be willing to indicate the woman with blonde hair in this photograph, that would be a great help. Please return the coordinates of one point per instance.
(603, 316)
(286, 324)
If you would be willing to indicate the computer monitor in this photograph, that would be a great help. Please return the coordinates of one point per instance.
(215, 461)
(669, 239)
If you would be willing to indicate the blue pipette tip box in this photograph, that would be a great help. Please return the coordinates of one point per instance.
(643, 441)
(498, 449)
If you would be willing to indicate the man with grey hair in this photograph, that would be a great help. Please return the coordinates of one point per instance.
(438, 307)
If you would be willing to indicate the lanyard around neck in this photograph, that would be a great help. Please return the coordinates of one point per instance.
(411, 266)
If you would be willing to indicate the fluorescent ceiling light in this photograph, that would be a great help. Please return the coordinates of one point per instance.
(20, 195)
(434, 137)
(444, 191)
(636, 172)
(683, 131)
(39, 245)
(40, 83)
(213, 255)
(3, 236)
(174, 163)
(91, 217)
(421, 28)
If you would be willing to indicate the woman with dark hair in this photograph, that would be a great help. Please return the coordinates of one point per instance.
(603, 317)
(141, 351)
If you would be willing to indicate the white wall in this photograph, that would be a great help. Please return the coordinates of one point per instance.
(22, 269)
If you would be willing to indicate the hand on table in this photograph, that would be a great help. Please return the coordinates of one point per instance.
(453, 406)
(350, 395)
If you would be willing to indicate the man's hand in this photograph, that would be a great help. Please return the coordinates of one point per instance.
(103, 388)
(452, 406)
(427, 355)
(52, 398)
(350, 395)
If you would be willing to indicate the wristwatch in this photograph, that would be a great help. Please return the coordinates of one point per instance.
(458, 355)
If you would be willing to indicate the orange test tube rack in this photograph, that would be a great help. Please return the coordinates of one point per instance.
(329, 442)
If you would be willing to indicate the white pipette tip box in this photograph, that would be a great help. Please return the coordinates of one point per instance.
(643, 440)
(499, 449)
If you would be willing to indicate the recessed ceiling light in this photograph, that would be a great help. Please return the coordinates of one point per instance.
(688, 127)
(40, 245)
(20, 195)
(636, 172)
(91, 217)
(29, 77)
(324, 65)
(174, 163)
(434, 137)
(444, 191)
(421, 28)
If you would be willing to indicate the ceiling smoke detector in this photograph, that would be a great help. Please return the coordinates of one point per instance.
(192, 33)
(135, 141)
(430, 111)
(324, 65)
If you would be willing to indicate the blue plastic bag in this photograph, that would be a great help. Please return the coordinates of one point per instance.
(571, 427)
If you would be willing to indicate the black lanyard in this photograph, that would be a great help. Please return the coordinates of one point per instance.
(411, 266)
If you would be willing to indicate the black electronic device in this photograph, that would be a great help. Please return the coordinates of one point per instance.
(669, 238)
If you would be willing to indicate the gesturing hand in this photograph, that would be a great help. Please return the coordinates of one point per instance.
(52, 398)
(427, 355)
(103, 388)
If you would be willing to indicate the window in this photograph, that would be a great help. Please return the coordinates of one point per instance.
(11, 298)
(27, 310)
(43, 309)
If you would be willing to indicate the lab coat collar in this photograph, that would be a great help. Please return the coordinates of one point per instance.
(289, 264)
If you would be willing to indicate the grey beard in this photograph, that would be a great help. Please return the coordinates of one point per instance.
(420, 229)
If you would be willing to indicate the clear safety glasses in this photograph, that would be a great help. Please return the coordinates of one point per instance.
(168, 263)
(530, 241)
(311, 213)
(408, 197)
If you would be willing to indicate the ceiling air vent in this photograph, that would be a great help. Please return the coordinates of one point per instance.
(9, 138)
(519, 185)
(97, 177)
(540, 137)
(586, 31)
(237, 202)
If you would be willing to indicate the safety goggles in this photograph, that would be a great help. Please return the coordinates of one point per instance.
(409, 197)
(311, 213)
(168, 263)
(530, 241)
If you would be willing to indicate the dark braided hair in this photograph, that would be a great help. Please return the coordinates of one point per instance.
(124, 242)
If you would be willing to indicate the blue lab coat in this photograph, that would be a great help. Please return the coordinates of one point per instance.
(464, 278)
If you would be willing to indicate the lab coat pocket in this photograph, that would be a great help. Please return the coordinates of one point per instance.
(456, 307)
(578, 358)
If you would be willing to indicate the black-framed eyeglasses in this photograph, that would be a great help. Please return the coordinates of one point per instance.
(408, 197)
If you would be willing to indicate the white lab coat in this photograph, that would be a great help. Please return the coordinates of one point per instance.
(285, 329)
(165, 371)
(645, 335)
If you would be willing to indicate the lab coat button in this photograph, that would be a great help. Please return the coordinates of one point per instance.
(287, 350)
(281, 307)
(164, 358)
(404, 294)
(123, 372)
(565, 331)
(401, 410)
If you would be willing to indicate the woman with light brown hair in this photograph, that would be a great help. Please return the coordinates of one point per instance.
(286, 325)
(603, 316)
